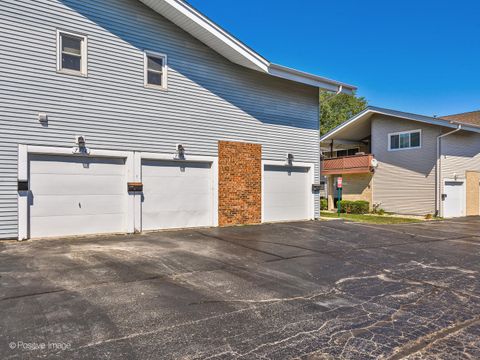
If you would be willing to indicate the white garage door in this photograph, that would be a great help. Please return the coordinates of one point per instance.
(454, 203)
(286, 193)
(77, 195)
(176, 194)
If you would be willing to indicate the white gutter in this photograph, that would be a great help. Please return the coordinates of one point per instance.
(438, 187)
(310, 79)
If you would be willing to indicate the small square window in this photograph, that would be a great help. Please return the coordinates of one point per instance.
(72, 53)
(155, 70)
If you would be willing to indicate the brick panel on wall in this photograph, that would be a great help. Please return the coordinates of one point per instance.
(239, 183)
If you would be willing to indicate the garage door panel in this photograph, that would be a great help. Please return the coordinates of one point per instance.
(168, 219)
(176, 194)
(48, 226)
(200, 202)
(47, 164)
(77, 195)
(176, 185)
(172, 168)
(78, 184)
(76, 205)
(286, 193)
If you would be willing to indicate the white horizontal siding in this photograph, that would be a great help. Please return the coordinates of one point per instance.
(209, 98)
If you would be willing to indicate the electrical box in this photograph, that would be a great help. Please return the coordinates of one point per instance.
(22, 185)
(135, 187)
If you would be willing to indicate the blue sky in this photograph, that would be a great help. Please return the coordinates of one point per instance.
(419, 56)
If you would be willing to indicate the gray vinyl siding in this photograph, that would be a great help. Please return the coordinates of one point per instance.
(460, 153)
(208, 97)
(404, 181)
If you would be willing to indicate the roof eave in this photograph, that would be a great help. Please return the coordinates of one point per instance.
(369, 111)
(310, 79)
(212, 35)
(202, 28)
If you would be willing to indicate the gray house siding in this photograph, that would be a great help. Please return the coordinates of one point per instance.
(208, 97)
(404, 181)
(460, 153)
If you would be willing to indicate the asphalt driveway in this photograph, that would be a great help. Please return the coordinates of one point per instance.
(313, 290)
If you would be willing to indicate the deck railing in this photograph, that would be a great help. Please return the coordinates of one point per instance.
(355, 164)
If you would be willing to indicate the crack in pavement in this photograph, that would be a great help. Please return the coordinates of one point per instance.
(264, 301)
(428, 340)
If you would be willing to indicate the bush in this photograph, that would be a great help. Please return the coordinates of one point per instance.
(323, 204)
(381, 212)
(354, 207)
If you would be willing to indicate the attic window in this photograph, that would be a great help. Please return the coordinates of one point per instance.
(155, 70)
(404, 140)
(72, 53)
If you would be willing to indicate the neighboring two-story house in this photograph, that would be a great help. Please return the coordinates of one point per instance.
(406, 163)
(120, 116)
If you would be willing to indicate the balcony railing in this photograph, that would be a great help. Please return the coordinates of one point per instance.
(355, 164)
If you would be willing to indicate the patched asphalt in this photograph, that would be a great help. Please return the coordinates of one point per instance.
(310, 290)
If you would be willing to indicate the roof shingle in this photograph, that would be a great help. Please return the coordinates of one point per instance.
(472, 117)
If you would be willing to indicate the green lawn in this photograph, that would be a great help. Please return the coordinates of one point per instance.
(373, 219)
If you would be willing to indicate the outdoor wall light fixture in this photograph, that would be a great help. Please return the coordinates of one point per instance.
(289, 159)
(180, 155)
(81, 148)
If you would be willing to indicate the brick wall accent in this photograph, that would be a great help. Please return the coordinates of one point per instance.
(239, 183)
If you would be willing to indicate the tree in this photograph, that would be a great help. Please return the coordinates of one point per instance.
(337, 109)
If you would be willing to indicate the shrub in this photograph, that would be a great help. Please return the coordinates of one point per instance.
(381, 212)
(428, 217)
(323, 204)
(354, 207)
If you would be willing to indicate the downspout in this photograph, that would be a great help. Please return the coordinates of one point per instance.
(339, 90)
(438, 186)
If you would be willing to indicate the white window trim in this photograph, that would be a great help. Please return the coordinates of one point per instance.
(164, 85)
(84, 54)
(404, 132)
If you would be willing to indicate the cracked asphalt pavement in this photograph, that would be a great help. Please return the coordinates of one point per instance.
(308, 290)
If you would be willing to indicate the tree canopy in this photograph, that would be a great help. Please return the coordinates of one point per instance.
(338, 109)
